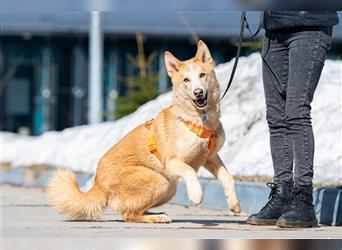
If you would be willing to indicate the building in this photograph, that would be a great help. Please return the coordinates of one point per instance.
(44, 59)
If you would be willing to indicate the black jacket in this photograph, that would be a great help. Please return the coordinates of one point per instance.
(274, 20)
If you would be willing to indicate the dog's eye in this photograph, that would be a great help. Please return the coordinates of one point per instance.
(186, 80)
(202, 75)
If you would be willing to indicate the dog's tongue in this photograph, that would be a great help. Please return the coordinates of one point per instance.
(201, 101)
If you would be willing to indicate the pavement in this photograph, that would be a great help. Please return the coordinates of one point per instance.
(252, 195)
(26, 214)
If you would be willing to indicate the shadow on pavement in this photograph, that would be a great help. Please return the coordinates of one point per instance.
(209, 222)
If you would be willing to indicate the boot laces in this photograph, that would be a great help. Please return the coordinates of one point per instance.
(298, 196)
(273, 188)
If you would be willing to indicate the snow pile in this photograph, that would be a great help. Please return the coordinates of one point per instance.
(246, 151)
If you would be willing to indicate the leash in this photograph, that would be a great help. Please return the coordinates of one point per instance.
(263, 57)
(243, 23)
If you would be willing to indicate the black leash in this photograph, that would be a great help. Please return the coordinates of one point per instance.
(243, 23)
(263, 55)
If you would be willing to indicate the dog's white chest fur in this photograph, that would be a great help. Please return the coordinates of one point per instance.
(191, 147)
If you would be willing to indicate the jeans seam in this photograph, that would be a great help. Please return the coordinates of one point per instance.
(312, 63)
(285, 68)
(287, 157)
(285, 138)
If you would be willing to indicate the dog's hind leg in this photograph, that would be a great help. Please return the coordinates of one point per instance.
(169, 194)
(140, 189)
(217, 168)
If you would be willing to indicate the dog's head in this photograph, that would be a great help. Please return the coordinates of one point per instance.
(194, 78)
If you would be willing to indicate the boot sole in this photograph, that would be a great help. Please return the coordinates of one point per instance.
(261, 222)
(296, 224)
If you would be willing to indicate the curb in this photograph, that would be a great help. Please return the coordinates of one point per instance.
(253, 196)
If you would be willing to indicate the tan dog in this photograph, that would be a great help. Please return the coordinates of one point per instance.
(141, 170)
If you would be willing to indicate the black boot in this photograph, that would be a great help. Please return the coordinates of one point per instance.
(280, 197)
(301, 212)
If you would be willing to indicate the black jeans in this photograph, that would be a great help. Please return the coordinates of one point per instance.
(292, 63)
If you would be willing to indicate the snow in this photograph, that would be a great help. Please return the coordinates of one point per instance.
(246, 151)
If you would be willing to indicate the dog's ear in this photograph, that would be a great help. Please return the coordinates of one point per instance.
(203, 53)
(172, 64)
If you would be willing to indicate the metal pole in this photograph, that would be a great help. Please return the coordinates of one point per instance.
(95, 69)
(163, 80)
(79, 84)
(112, 87)
(42, 101)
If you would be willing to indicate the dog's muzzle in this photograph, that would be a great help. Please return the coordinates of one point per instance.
(201, 102)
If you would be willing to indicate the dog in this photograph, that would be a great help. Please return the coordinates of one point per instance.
(141, 171)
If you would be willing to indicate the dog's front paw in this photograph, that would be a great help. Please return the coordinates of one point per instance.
(193, 186)
(235, 207)
(195, 195)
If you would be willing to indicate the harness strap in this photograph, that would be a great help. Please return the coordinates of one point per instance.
(199, 131)
(151, 143)
(153, 148)
(203, 133)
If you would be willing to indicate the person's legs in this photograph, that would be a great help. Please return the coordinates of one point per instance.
(307, 52)
(275, 76)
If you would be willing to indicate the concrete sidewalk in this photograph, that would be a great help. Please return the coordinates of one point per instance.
(26, 214)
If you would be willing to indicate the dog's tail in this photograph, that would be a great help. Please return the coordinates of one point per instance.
(65, 195)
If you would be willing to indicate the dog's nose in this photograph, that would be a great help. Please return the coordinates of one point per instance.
(198, 93)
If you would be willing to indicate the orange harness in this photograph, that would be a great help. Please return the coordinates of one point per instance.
(201, 132)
